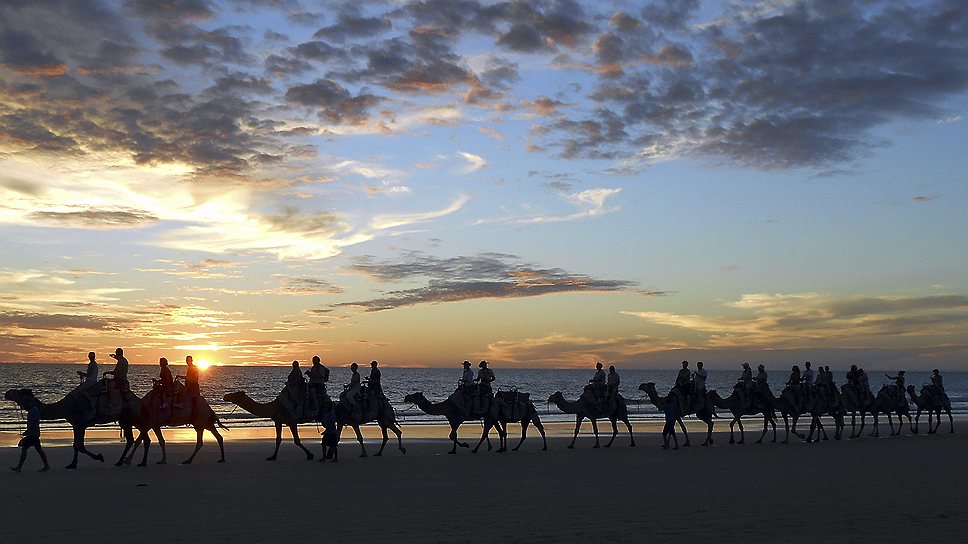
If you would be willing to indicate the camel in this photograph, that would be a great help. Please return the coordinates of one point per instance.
(584, 409)
(385, 418)
(68, 409)
(882, 403)
(734, 405)
(704, 414)
(455, 416)
(926, 402)
(275, 411)
(822, 406)
(816, 408)
(202, 419)
(526, 417)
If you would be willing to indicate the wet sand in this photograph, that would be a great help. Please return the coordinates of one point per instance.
(892, 489)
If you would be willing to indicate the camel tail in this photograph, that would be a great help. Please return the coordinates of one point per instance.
(218, 423)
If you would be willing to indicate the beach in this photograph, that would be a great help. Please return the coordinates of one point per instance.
(892, 489)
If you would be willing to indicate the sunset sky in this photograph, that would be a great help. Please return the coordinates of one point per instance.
(541, 183)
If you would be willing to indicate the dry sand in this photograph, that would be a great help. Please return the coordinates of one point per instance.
(893, 489)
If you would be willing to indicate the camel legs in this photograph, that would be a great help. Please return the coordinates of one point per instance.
(951, 421)
(294, 430)
(595, 430)
(218, 439)
(161, 444)
(359, 438)
(128, 442)
(454, 425)
(614, 433)
(628, 426)
(485, 429)
(198, 446)
(766, 427)
(79, 448)
(578, 420)
(742, 435)
(709, 433)
(524, 432)
(684, 433)
(396, 430)
(386, 438)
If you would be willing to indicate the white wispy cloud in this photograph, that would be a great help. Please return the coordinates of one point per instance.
(474, 162)
(388, 221)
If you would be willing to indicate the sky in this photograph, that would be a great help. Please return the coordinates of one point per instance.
(546, 183)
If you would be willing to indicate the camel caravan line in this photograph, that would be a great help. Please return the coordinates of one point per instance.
(171, 403)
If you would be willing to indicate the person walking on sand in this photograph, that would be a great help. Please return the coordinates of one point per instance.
(330, 436)
(671, 410)
(31, 438)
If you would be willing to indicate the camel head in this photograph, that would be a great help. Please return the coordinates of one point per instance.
(234, 398)
(414, 398)
(20, 396)
(556, 397)
(647, 387)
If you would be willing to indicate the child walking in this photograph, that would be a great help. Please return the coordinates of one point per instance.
(31, 438)
(671, 411)
(330, 436)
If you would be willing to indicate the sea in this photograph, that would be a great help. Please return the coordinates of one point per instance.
(50, 382)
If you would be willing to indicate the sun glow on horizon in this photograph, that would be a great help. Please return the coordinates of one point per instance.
(203, 364)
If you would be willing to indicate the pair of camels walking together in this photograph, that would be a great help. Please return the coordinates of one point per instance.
(141, 413)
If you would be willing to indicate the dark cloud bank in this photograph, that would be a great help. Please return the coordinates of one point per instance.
(795, 86)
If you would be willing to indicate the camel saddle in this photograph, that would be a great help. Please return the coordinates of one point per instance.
(177, 407)
(295, 410)
(514, 404)
(108, 402)
(589, 396)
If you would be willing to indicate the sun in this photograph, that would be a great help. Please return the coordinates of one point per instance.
(203, 364)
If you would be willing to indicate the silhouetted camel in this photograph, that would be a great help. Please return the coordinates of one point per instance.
(201, 418)
(385, 418)
(738, 410)
(526, 417)
(583, 409)
(275, 411)
(704, 414)
(455, 416)
(882, 403)
(926, 402)
(814, 406)
(68, 408)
